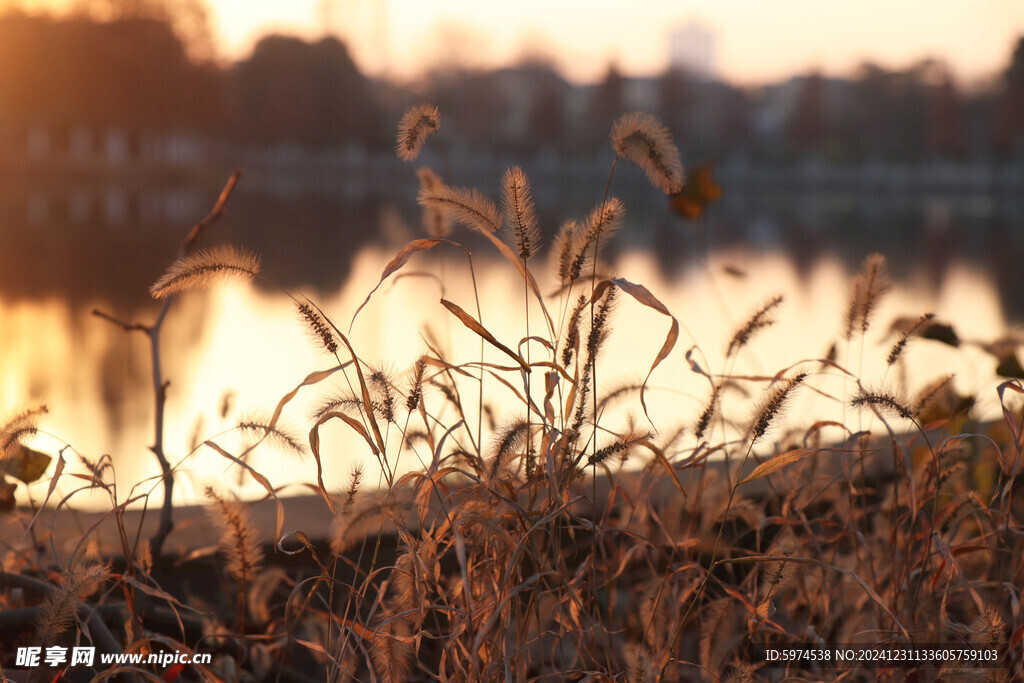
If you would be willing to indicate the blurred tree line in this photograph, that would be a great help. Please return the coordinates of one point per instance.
(133, 65)
(146, 65)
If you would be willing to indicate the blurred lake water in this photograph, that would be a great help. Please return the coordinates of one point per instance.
(84, 242)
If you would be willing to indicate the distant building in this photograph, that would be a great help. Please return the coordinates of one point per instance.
(692, 49)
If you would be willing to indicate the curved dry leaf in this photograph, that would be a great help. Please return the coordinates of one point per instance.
(57, 471)
(779, 461)
(314, 445)
(524, 272)
(644, 296)
(475, 326)
(311, 378)
(396, 263)
(25, 464)
(263, 481)
(659, 454)
(314, 433)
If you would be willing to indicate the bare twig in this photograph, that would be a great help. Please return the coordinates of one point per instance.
(159, 383)
(127, 327)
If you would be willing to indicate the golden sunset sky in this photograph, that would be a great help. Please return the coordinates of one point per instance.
(755, 40)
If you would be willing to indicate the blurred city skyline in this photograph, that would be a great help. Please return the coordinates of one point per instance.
(751, 43)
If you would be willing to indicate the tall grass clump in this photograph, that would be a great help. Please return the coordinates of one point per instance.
(547, 529)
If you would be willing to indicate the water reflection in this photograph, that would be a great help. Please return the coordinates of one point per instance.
(248, 341)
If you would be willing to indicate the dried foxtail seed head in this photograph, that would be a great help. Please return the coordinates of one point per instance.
(520, 213)
(203, 267)
(466, 205)
(645, 141)
(417, 124)
(437, 222)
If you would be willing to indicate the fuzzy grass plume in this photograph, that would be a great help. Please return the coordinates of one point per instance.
(646, 142)
(562, 250)
(467, 206)
(572, 337)
(758, 321)
(201, 268)
(19, 427)
(773, 403)
(276, 434)
(520, 213)
(870, 285)
(512, 437)
(418, 122)
(602, 223)
(318, 327)
(57, 612)
(436, 221)
(884, 400)
(415, 394)
(708, 414)
(897, 349)
(239, 539)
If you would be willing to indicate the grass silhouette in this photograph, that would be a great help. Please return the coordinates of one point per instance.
(528, 550)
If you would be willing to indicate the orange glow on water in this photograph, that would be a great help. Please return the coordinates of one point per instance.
(251, 343)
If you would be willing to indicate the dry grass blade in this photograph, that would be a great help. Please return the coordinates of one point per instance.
(58, 470)
(646, 142)
(475, 326)
(395, 264)
(310, 379)
(779, 461)
(644, 296)
(524, 272)
(875, 597)
(201, 268)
